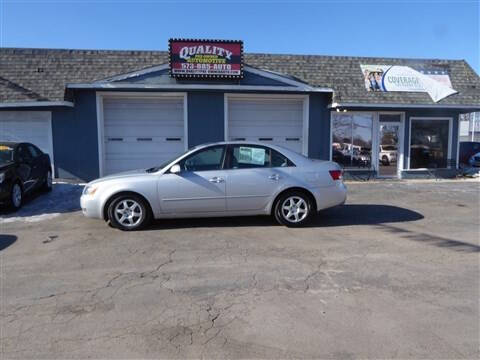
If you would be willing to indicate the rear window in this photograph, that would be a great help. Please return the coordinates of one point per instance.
(6, 154)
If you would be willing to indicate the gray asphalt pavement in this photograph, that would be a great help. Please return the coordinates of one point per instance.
(392, 274)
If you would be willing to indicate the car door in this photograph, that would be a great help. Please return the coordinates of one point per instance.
(24, 166)
(255, 174)
(200, 185)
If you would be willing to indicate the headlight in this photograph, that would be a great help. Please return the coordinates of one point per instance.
(89, 190)
(2, 177)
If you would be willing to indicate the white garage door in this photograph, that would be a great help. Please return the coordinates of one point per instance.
(30, 126)
(273, 121)
(142, 132)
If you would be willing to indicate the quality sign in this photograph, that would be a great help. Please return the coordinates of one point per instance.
(206, 58)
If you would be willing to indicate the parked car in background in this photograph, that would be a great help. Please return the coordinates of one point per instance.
(475, 160)
(24, 168)
(469, 153)
(361, 158)
(388, 154)
(221, 179)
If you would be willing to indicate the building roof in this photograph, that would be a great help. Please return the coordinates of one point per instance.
(42, 74)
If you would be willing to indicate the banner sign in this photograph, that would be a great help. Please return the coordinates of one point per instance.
(403, 78)
(206, 58)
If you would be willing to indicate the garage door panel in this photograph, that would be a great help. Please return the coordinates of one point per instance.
(28, 126)
(141, 133)
(272, 121)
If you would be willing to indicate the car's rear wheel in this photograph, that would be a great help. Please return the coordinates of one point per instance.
(129, 212)
(48, 182)
(16, 196)
(293, 209)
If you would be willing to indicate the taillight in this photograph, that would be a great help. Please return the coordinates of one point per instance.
(336, 174)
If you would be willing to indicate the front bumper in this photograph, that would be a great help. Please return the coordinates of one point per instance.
(91, 207)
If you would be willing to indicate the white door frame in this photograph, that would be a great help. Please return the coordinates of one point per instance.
(375, 137)
(401, 140)
(100, 95)
(305, 120)
(450, 136)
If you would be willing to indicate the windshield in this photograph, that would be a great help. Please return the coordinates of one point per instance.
(165, 163)
(6, 154)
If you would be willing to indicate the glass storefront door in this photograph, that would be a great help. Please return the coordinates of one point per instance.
(389, 135)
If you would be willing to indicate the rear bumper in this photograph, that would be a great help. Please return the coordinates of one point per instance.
(331, 196)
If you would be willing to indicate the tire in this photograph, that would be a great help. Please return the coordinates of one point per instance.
(129, 212)
(16, 196)
(288, 209)
(47, 182)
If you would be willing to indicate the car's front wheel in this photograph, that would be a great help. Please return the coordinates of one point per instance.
(293, 209)
(16, 196)
(129, 212)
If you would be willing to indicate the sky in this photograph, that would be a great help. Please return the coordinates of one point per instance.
(409, 28)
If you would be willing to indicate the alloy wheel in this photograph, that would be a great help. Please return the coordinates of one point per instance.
(128, 213)
(16, 195)
(294, 209)
(49, 180)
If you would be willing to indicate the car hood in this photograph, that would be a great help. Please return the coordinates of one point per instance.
(121, 175)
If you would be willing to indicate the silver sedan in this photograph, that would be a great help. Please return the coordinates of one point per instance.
(220, 179)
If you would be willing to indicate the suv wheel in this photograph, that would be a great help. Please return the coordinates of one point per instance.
(16, 196)
(48, 182)
(293, 209)
(128, 212)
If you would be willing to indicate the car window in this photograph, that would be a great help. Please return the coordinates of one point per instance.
(253, 156)
(204, 160)
(249, 156)
(6, 154)
(33, 151)
(278, 160)
(23, 154)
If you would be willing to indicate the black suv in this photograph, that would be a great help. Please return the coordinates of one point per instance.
(23, 169)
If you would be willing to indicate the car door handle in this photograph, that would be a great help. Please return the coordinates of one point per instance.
(216, 180)
(274, 177)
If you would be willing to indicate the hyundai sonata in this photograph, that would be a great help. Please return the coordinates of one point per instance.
(220, 179)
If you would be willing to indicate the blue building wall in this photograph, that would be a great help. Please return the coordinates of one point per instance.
(205, 117)
(319, 126)
(75, 135)
(75, 138)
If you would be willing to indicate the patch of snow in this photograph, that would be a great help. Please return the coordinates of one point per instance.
(64, 198)
(30, 219)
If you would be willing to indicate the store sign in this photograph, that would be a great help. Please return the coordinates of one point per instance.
(206, 58)
(403, 78)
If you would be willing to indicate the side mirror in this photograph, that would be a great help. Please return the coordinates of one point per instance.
(175, 169)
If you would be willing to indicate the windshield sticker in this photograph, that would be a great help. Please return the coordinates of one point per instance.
(255, 156)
